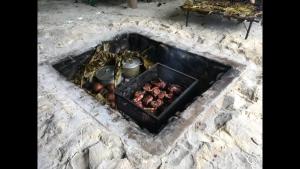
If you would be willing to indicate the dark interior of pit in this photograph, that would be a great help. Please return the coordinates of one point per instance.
(205, 70)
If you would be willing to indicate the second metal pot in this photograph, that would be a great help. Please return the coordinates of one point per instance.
(106, 75)
(131, 67)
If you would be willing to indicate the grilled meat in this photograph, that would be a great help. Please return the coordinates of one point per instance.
(147, 99)
(159, 83)
(156, 103)
(155, 91)
(138, 96)
(175, 89)
(98, 87)
(155, 94)
(169, 95)
(111, 87)
(111, 97)
(139, 104)
(161, 95)
(147, 87)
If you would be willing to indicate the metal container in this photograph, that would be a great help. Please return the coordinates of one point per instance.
(106, 75)
(131, 67)
(154, 123)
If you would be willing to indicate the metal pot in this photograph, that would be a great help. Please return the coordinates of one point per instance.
(106, 75)
(131, 67)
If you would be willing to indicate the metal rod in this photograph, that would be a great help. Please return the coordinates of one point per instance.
(248, 29)
(240, 21)
(245, 26)
(187, 18)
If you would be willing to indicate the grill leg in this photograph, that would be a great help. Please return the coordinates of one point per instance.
(240, 21)
(248, 30)
(187, 18)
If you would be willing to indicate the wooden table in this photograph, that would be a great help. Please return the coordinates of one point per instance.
(252, 18)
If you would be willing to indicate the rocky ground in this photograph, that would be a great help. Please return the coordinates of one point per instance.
(69, 137)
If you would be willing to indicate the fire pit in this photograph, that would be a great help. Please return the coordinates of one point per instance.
(206, 75)
(195, 73)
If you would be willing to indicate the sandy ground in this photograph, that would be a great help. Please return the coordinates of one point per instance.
(68, 137)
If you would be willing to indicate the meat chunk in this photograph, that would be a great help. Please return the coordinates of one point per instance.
(155, 91)
(147, 87)
(159, 83)
(156, 103)
(111, 97)
(111, 87)
(155, 95)
(139, 104)
(161, 95)
(138, 93)
(98, 87)
(169, 95)
(175, 89)
(138, 96)
(147, 99)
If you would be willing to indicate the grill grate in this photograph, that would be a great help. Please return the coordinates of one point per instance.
(147, 120)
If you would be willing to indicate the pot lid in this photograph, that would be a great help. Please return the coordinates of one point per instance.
(106, 73)
(131, 63)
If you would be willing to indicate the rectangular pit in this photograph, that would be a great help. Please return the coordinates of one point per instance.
(213, 78)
